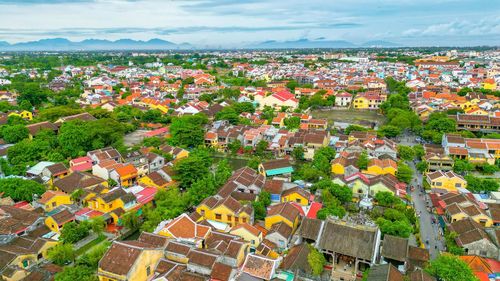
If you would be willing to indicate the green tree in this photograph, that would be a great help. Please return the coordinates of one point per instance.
(354, 128)
(254, 162)
(386, 199)
(73, 273)
(406, 152)
(92, 257)
(448, 267)
(462, 166)
(292, 123)
(404, 173)
(191, 169)
(261, 148)
(97, 225)
(259, 210)
(419, 151)
(362, 162)
(187, 131)
(130, 220)
(234, 146)
(61, 254)
(396, 228)
(20, 189)
(389, 131)
(422, 166)
(341, 192)
(16, 133)
(73, 232)
(316, 261)
(298, 153)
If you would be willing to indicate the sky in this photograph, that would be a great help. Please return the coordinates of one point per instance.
(238, 23)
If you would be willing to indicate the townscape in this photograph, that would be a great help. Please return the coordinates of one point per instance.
(350, 164)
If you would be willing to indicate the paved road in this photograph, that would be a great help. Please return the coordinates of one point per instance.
(428, 231)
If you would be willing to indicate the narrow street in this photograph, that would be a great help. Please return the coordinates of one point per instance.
(428, 231)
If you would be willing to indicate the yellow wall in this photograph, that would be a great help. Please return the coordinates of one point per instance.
(360, 103)
(338, 169)
(52, 224)
(297, 198)
(26, 115)
(272, 220)
(99, 205)
(209, 214)
(57, 201)
(448, 183)
(247, 236)
(139, 269)
(148, 182)
(377, 170)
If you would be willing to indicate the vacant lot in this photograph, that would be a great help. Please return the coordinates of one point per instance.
(134, 137)
(349, 116)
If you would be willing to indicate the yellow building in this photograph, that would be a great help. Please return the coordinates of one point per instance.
(456, 212)
(283, 212)
(344, 161)
(226, 210)
(489, 84)
(25, 252)
(24, 114)
(268, 249)
(382, 167)
(248, 233)
(444, 182)
(360, 102)
(56, 221)
(128, 260)
(297, 195)
(52, 199)
(156, 180)
(111, 201)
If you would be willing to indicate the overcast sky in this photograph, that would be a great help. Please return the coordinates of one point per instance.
(233, 23)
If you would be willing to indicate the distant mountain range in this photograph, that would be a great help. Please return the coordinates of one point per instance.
(306, 43)
(62, 44)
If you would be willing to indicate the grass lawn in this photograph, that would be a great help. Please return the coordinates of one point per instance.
(91, 244)
(349, 116)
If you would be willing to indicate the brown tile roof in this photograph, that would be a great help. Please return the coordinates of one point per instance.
(202, 258)
(221, 272)
(155, 240)
(121, 256)
(286, 210)
(63, 217)
(274, 186)
(395, 248)
(296, 259)
(276, 164)
(178, 248)
(385, 272)
(77, 180)
(259, 266)
(420, 275)
(351, 240)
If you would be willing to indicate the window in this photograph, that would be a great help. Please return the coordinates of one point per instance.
(483, 253)
(458, 185)
(244, 220)
(439, 183)
(148, 270)
(253, 242)
(202, 212)
(236, 219)
(218, 216)
(229, 217)
(298, 200)
(54, 204)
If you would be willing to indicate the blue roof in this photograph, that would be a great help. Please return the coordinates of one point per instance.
(279, 171)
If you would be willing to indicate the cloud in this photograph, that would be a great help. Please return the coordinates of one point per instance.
(459, 27)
